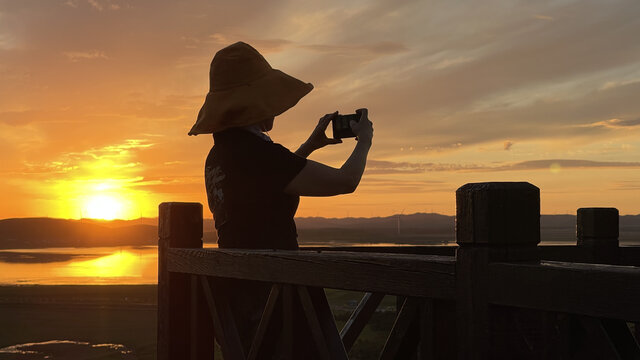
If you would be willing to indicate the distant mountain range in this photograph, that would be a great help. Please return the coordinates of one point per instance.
(419, 228)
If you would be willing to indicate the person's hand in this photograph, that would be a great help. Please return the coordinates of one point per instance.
(318, 138)
(363, 128)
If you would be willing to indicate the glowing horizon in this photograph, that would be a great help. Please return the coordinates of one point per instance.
(96, 98)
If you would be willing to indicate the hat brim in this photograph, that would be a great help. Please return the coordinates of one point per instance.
(247, 104)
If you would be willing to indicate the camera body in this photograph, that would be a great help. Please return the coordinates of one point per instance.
(341, 127)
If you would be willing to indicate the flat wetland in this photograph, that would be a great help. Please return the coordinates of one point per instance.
(119, 321)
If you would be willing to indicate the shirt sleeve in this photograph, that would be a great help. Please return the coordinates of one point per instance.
(278, 166)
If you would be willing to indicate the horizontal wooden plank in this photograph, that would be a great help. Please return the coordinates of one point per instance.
(629, 255)
(399, 274)
(607, 291)
(624, 255)
(409, 249)
(570, 253)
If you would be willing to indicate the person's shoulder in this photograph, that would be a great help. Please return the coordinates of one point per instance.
(230, 134)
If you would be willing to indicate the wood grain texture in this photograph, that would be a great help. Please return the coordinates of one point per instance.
(597, 223)
(177, 227)
(597, 290)
(442, 250)
(627, 255)
(498, 213)
(472, 306)
(180, 220)
(402, 274)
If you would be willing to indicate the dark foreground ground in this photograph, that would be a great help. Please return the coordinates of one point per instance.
(119, 322)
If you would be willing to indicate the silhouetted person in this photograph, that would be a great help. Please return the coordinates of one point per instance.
(253, 184)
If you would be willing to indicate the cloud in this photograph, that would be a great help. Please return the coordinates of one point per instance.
(391, 167)
(98, 5)
(622, 82)
(76, 56)
(170, 184)
(543, 17)
(565, 164)
(6, 42)
(263, 45)
(116, 158)
(378, 48)
(615, 123)
(629, 185)
(451, 62)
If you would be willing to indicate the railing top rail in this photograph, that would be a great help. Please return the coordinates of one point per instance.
(400, 274)
(598, 290)
(589, 289)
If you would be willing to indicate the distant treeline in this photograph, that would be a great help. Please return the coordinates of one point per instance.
(414, 229)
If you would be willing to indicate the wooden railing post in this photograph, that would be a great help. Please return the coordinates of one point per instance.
(179, 337)
(597, 233)
(494, 222)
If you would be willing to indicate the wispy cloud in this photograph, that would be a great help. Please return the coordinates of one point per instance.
(98, 6)
(265, 45)
(543, 17)
(391, 167)
(446, 63)
(382, 48)
(116, 158)
(76, 56)
(615, 123)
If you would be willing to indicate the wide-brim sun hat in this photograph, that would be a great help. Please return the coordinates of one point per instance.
(244, 90)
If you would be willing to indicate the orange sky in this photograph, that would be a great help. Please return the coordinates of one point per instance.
(97, 96)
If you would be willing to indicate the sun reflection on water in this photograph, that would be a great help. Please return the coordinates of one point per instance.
(119, 264)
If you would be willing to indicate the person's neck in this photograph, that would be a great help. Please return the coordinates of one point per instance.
(256, 129)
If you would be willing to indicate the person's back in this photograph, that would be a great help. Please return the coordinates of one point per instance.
(245, 177)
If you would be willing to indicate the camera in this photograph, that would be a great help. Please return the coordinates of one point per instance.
(341, 127)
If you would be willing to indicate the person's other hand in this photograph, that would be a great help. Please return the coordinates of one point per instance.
(363, 128)
(318, 137)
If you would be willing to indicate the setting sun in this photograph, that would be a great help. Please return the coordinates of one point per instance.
(104, 207)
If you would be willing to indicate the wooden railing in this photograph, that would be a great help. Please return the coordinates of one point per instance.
(497, 295)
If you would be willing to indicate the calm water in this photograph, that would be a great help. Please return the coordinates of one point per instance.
(90, 266)
(71, 266)
(81, 266)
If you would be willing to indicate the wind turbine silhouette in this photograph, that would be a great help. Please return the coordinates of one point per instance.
(398, 217)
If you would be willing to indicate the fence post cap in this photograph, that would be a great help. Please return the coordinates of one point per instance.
(498, 213)
(597, 222)
(180, 219)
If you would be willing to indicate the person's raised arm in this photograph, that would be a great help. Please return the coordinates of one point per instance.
(318, 139)
(317, 179)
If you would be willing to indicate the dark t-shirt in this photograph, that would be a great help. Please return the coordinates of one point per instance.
(245, 177)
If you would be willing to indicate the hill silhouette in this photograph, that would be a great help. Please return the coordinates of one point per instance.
(26, 233)
(419, 228)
